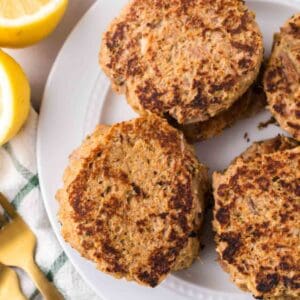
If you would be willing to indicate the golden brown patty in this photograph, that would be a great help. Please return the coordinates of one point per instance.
(248, 105)
(190, 59)
(133, 200)
(257, 219)
(282, 78)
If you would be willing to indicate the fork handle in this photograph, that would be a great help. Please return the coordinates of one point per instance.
(47, 289)
(9, 281)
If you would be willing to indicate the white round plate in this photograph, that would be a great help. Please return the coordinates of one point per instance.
(78, 96)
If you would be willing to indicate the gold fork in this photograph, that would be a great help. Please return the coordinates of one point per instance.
(17, 247)
(9, 284)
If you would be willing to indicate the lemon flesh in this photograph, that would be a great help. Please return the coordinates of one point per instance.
(14, 98)
(25, 22)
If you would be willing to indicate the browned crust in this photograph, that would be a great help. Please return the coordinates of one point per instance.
(190, 59)
(256, 219)
(253, 101)
(133, 200)
(282, 78)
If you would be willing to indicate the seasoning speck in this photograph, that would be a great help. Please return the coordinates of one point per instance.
(246, 137)
(263, 125)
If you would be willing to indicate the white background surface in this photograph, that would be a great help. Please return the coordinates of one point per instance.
(37, 60)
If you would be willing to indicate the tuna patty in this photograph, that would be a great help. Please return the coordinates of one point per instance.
(282, 78)
(133, 200)
(257, 219)
(188, 59)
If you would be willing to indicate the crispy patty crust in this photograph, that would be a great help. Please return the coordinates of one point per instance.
(282, 78)
(189, 59)
(257, 219)
(253, 101)
(133, 200)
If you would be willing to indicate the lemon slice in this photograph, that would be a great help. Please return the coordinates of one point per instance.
(14, 98)
(25, 22)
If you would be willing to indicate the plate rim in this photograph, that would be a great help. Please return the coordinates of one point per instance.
(53, 221)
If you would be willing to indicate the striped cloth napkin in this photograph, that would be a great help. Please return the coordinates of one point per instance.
(19, 182)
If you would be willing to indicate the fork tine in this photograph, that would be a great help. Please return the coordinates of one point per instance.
(3, 220)
(7, 206)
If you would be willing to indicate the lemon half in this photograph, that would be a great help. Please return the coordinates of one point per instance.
(14, 97)
(25, 22)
